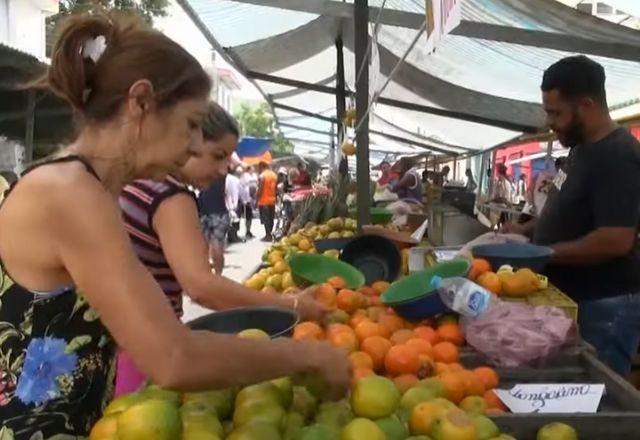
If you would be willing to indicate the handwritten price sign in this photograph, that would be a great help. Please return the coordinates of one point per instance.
(553, 398)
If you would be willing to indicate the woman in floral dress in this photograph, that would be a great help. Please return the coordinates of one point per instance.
(71, 285)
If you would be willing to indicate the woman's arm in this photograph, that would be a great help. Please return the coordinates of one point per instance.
(176, 223)
(95, 250)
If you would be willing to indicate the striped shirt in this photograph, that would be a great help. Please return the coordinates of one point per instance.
(139, 202)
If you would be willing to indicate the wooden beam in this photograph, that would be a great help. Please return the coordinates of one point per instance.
(303, 128)
(305, 112)
(30, 125)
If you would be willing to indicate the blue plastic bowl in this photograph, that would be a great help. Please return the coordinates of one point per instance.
(414, 299)
(517, 255)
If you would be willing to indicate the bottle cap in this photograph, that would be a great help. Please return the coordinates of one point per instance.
(436, 282)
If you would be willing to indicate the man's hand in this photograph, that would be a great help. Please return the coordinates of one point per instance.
(525, 229)
(308, 307)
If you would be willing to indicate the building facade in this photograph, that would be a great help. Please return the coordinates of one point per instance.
(22, 24)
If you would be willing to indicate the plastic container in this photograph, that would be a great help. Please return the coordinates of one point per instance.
(308, 269)
(376, 257)
(273, 321)
(463, 296)
(327, 244)
(379, 216)
(414, 299)
(517, 255)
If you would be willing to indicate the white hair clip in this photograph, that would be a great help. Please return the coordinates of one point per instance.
(94, 48)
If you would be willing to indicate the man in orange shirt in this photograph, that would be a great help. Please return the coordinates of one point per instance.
(267, 198)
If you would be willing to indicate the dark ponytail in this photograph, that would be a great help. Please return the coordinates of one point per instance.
(218, 123)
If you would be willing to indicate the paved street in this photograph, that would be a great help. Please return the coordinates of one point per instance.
(240, 261)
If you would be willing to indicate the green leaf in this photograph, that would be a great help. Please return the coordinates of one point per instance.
(6, 434)
(91, 315)
(77, 343)
(8, 333)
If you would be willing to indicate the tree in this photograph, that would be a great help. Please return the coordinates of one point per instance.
(147, 9)
(257, 121)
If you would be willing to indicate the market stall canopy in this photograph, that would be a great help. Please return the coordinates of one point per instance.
(52, 117)
(478, 89)
(255, 160)
(250, 146)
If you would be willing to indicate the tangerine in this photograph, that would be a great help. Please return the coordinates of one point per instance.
(472, 384)
(358, 317)
(380, 287)
(360, 359)
(368, 328)
(423, 347)
(376, 347)
(427, 333)
(345, 340)
(493, 401)
(446, 352)
(488, 376)
(368, 291)
(478, 267)
(307, 331)
(326, 294)
(338, 328)
(451, 333)
(490, 281)
(375, 301)
(456, 366)
(337, 282)
(423, 416)
(402, 359)
(454, 386)
(441, 368)
(393, 322)
(348, 300)
(405, 382)
(402, 336)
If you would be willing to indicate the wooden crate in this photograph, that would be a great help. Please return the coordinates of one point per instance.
(618, 417)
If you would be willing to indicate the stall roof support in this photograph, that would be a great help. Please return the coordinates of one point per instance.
(397, 103)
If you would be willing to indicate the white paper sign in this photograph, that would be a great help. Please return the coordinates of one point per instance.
(553, 398)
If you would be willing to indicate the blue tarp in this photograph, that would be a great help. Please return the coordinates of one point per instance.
(250, 146)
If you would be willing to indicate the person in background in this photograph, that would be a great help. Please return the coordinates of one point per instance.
(471, 184)
(73, 288)
(303, 178)
(267, 192)
(215, 221)
(442, 177)
(521, 190)
(246, 202)
(388, 176)
(161, 218)
(591, 216)
(409, 187)
(503, 190)
(232, 202)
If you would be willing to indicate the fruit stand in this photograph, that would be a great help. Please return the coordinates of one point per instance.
(411, 379)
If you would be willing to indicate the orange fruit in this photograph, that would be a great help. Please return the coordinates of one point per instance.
(451, 333)
(427, 366)
(326, 294)
(380, 287)
(348, 300)
(491, 412)
(427, 333)
(455, 366)
(423, 416)
(361, 373)
(375, 312)
(446, 352)
(454, 386)
(478, 267)
(441, 368)
(490, 281)
(402, 359)
(368, 291)
(493, 401)
(338, 328)
(472, 384)
(358, 317)
(405, 382)
(402, 336)
(345, 340)
(376, 347)
(393, 322)
(488, 376)
(421, 345)
(375, 300)
(360, 359)
(368, 328)
(306, 331)
(337, 282)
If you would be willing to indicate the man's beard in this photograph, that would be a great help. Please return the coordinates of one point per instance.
(574, 135)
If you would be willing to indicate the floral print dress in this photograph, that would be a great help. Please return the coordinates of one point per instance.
(57, 362)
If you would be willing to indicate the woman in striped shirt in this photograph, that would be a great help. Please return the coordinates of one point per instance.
(162, 221)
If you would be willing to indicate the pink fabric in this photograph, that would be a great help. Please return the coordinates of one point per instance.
(128, 378)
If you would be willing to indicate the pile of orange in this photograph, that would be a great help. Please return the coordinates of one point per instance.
(379, 342)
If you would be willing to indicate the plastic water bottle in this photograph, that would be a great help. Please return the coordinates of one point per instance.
(462, 295)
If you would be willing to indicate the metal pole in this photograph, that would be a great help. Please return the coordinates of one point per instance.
(361, 26)
(341, 95)
(30, 122)
(332, 151)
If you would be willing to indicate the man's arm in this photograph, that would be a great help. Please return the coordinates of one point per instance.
(525, 229)
(599, 246)
(260, 188)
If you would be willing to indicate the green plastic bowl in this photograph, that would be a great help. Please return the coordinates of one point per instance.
(416, 286)
(379, 216)
(308, 269)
